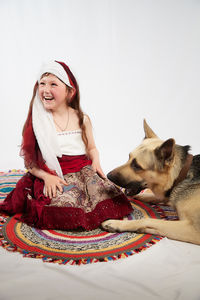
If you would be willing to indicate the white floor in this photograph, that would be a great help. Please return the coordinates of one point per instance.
(168, 270)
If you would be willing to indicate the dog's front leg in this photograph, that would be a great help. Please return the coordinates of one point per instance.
(180, 230)
(119, 226)
(144, 225)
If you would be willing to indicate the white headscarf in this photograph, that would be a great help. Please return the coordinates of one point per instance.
(43, 125)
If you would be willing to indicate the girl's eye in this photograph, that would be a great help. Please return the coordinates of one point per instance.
(42, 83)
(54, 84)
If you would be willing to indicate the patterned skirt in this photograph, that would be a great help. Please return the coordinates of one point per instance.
(86, 201)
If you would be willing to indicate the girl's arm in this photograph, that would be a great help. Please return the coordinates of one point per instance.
(51, 182)
(92, 150)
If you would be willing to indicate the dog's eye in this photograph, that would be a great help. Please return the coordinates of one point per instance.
(135, 165)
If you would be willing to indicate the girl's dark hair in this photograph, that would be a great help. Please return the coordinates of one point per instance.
(75, 101)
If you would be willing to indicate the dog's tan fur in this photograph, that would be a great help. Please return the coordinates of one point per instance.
(156, 164)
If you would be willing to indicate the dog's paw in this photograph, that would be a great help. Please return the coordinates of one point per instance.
(112, 225)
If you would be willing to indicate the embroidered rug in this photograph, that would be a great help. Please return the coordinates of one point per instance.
(78, 246)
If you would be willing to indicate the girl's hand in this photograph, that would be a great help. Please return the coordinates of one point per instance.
(97, 168)
(51, 184)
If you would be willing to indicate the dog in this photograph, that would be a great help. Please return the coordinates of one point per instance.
(173, 176)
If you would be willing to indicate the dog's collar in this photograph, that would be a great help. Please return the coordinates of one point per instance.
(182, 175)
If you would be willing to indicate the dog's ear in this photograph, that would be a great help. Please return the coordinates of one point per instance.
(148, 131)
(165, 153)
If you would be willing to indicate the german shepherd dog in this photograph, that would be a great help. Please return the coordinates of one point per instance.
(173, 176)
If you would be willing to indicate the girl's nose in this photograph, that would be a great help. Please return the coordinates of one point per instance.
(46, 88)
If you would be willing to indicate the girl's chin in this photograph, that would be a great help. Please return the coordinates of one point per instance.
(48, 104)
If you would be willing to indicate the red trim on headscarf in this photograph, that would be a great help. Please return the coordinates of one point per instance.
(72, 79)
(30, 150)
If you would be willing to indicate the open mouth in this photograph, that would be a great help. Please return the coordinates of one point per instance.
(48, 98)
(134, 188)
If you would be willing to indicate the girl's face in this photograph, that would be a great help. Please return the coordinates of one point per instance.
(53, 92)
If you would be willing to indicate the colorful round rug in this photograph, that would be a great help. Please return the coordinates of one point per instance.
(78, 246)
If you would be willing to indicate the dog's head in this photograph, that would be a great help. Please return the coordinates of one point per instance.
(148, 164)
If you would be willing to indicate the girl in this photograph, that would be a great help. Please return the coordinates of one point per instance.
(65, 187)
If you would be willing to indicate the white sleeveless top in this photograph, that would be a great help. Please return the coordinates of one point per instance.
(71, 142)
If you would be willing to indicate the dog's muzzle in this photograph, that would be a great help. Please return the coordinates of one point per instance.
(131, 188)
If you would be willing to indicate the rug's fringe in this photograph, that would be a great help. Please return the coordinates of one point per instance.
(5, 244)
(14, 171)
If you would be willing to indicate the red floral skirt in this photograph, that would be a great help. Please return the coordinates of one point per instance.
(86, 201)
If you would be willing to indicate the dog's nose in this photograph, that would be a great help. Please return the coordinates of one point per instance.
(116, 178)
(110, 176)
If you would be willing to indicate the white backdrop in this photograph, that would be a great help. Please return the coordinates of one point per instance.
(132, 59)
